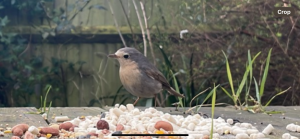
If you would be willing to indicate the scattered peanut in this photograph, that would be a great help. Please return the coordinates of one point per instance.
(49, 130)
(19, 129)
(29, 135)
(66, 126)
(18, 132)
(164, 125)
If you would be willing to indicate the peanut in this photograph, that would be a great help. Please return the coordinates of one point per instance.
(164, 125)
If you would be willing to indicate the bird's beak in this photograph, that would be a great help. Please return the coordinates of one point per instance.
(112, 56)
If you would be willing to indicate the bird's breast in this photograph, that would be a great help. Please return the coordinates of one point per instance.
(130, 76)
(138, 83)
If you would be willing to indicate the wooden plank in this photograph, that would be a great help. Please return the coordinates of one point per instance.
(73, 112)
(9, 117)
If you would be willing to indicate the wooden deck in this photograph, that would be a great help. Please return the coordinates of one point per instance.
(12, 116)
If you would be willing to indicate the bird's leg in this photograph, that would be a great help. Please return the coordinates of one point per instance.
(155, 99)
(136, 101)
(161, 98)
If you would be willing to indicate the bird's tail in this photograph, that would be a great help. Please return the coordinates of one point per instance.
(173, 92)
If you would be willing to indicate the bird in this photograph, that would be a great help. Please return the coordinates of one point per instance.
(139, 76)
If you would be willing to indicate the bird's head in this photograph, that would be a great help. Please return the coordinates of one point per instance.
(127, 56)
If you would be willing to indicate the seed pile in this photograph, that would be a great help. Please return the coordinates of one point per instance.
(130, 120)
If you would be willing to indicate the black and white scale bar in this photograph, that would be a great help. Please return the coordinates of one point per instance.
(150, 134)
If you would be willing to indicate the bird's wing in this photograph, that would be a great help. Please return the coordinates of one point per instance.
(157, 75)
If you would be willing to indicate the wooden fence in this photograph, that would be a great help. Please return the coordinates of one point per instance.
(93, 37)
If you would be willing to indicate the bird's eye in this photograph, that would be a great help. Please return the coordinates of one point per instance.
(126, 56)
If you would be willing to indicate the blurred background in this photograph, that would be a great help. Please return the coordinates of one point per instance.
(64, 44)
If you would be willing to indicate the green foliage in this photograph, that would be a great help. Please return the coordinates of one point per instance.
(253, 26)
(259, 90)
(43, 107)
(235, 96)
(181, 72)
(17, 73)
(22, 74)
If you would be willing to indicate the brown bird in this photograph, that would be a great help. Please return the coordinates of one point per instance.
(139, 76)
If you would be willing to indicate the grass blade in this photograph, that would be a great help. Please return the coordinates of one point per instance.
(45, 99)
(242, 84)
(245, 77)
(208, 96)
(197, 96)
(176, 88)
(213, 111)
(230, 78)
(257, 91)
(228, 94)
(250, 77)
(251, 62)
(263, 81)
(280, 93)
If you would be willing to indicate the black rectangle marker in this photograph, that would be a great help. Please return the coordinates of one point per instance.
(150, 134)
